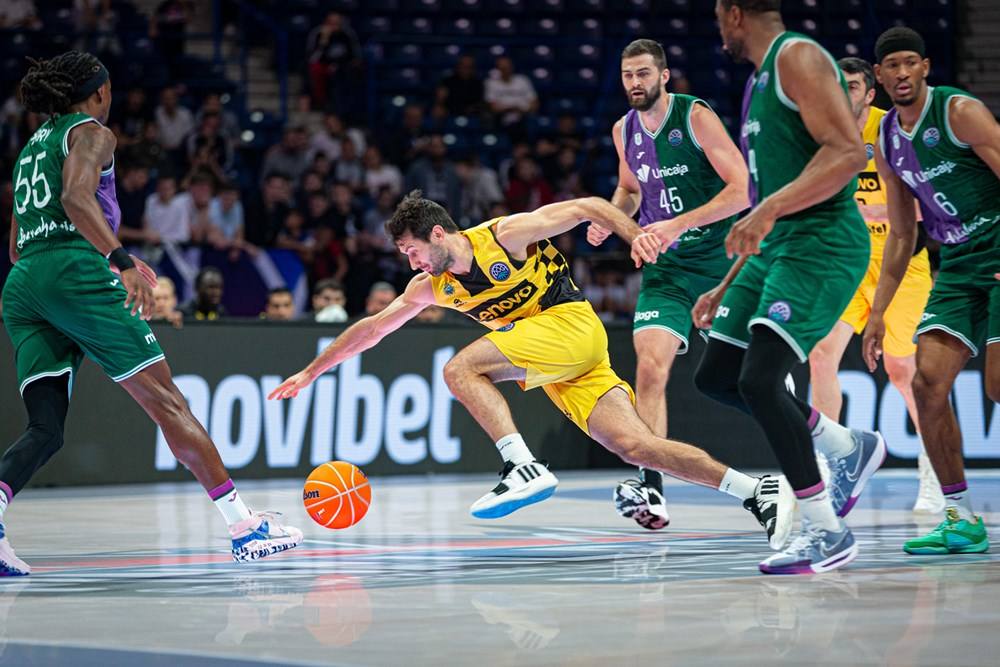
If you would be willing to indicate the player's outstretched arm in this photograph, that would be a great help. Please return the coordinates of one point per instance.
(517, 232)
(899, 246)
(728, 163)
(362, 335)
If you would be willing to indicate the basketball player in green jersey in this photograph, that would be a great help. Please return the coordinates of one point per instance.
(62, 301)
(940, 146)
(804, 249)
(679, 169)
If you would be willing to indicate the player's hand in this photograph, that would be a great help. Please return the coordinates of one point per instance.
(144, 270)
(645, 248)
(140, 292)
(706, 306)
(291, 387)
(596, 235)
(667, 231)
(871, 341)
(745, 236)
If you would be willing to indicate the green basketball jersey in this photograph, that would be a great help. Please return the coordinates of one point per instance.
(41, 220)
(959, 194)
(777, 147)
(674, 174)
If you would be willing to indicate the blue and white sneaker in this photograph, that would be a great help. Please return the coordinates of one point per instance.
(10, 564)
(850, 474)
(519, 485)
(815, 550)
(261, 535)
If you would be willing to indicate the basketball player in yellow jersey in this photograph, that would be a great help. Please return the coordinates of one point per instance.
(505, 274)
(903, 315)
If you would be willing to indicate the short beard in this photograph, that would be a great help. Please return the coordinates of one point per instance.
(905, 101)
(651, 96)
(736, 51)
(441, 261)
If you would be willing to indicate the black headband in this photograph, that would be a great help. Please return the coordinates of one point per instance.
(88, 87)
(895, 40)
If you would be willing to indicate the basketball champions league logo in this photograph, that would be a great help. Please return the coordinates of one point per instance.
(499, 271)
(780, 311)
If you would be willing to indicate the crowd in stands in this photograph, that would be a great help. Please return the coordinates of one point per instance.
(326, 188)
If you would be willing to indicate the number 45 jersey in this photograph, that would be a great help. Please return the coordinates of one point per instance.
(959, 194)
(42, 222)
(674, 174)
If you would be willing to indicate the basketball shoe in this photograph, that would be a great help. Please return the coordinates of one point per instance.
(519, 485)
(954, 535)
(773, 505)
(642, 500)
(849, 474)
(815, 550)
(10, 564)
(930, 500)
(261, 535)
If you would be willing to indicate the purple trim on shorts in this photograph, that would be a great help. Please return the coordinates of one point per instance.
(6, 491)
(954, 488)
(221, 490)
(810, 491)
(813, 418)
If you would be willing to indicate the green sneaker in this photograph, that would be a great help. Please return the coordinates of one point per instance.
(952, 536)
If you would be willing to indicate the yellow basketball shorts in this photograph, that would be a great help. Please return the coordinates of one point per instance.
(903, 314)
(563, 350)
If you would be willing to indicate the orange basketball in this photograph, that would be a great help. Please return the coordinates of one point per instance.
(337, 495)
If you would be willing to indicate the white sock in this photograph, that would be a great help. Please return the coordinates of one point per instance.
(3, 504)
(232, 508)
(818, 509)
(956, 496)
(513, 449)
(830, 437)
(738, 485)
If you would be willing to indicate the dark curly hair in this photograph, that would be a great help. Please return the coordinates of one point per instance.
(49, 85)
(418, 216)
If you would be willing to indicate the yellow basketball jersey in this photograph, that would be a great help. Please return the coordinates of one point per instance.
(500, 290)
(870, 189)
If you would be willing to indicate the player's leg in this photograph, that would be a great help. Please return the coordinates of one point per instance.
(470, 375)
(614, 423)
(824, 362)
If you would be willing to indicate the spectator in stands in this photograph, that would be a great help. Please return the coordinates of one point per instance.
(294, 236)
(133, 190)
(333, 55)
(511, 97)
(207, 302)
(280, 305)
(328, 139)
(265, 213)
(131, 119)
(379, 175)
(405, 144)
(435, 175)
(167, 30)
(165, 302)
(318, 212)
(289, 156)
(505, 169)
(461, 92)
(372, 232)
(19, 14)
(328, 302)
(147, 151)
(380, 296)
(345, 214)
(567, 132)
(375, 257)
(229, 124)
(166, 218)
(198, 198)
(322, 165)
(528, 188)
(209, 149)
(348, 169)
(226, 214)
(173, 120)
(95, 22)
(480, 190)
(12, 115)
(311, 183)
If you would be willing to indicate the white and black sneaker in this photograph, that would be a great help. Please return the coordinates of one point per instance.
(773, 505)
(642, 500)
(519, 485)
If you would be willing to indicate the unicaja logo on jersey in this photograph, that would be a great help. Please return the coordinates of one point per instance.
(762, 81)
(931, 137)
(499, 271)
(675, 137)
(780, 311)
(643, 173)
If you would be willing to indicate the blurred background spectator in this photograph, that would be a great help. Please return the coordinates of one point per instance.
(207, 302)
(279, 307)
